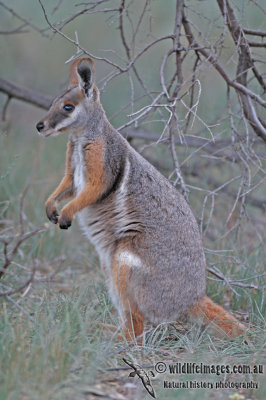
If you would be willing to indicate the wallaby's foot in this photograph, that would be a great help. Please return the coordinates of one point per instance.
(131, 336)
(215, 315)
(66, 217)
(51, 212)
(110, 328)
(127, 335)
(64, 221)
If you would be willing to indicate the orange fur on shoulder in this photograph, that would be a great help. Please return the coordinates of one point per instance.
(94, 160)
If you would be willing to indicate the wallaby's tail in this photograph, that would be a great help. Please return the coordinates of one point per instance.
(215, 315)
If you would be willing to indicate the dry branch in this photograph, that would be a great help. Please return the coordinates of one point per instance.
(9, 253)
(14, 269)
(40, 99)
(13, 90)
(24, 20)
(254, 32)
(216, 272)
(21, 287)
(245, 62)
(240, 88)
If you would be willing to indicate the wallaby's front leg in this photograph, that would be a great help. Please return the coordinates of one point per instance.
(95, 187)
(64, 190)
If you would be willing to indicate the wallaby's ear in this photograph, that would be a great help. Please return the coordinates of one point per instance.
(82, 73)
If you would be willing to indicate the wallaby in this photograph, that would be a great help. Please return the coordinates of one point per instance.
(144, 231)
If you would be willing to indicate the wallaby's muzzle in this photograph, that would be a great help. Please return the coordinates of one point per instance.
(40, 126)
(42, 129)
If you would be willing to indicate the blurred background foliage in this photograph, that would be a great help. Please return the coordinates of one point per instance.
(235, 247)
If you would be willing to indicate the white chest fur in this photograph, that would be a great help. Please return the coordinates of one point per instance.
(104, 228)
(79, 168)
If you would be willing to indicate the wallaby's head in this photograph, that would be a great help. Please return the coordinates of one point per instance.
(70, 112)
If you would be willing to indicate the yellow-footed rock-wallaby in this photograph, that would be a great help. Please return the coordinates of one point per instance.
(144, 231)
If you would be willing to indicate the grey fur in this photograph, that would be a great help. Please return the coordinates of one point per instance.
(173, 276)
(164, 232)
(142, 206)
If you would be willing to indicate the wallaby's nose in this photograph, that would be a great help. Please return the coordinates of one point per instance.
(40, 126)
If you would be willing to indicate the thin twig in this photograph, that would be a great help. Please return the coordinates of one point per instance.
(26, 22)
(230, 282)
(21, 287)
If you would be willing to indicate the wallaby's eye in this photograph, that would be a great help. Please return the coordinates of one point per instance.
(69, 107)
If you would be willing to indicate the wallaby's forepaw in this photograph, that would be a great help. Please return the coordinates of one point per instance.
(52, 213)
(64, 222)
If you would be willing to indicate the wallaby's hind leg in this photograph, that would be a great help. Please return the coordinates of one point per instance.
(133, 324)
(133, 318)
(213, 314)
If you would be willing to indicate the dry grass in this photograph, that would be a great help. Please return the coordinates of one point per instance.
(52, 346)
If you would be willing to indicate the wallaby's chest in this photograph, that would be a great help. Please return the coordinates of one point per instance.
(79, 167)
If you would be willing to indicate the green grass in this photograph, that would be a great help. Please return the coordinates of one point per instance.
(51, 343)
(59, 353)
(39, 352)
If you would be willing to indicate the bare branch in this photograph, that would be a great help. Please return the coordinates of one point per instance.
(75, 42)
(230, 282)
(240, 40)
(218, 67)
(38, 99)
(245, 62)
(257, 44)
(57, 6)
(26, 22)
(4, 111)
(21, 287)
(254, 32)
(15, 31)
(10, 254)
